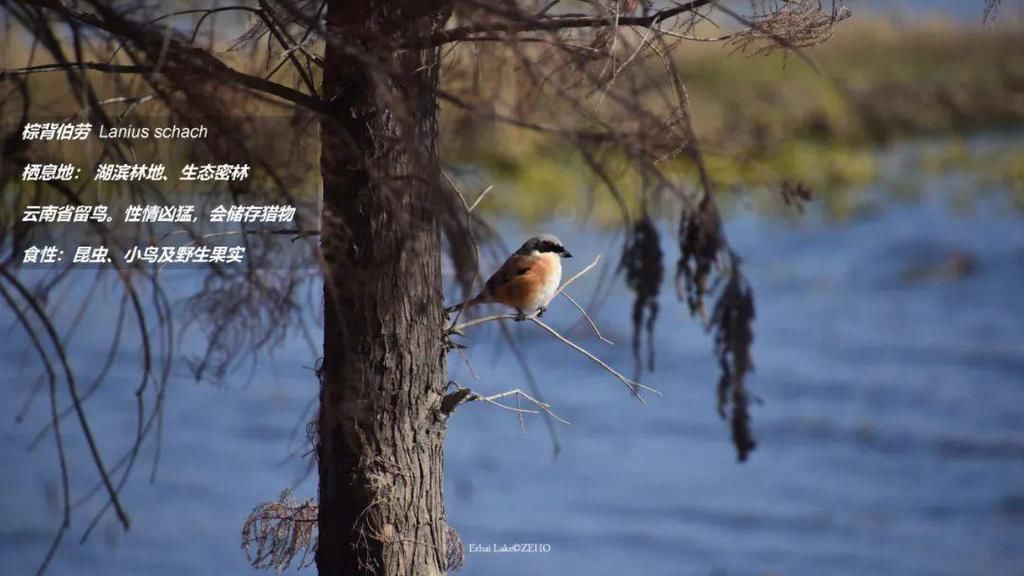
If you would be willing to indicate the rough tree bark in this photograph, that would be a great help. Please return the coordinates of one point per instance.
(380, 431)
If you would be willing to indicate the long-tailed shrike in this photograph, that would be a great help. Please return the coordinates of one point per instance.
(528, 280)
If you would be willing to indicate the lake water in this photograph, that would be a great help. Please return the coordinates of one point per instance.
(890, 358)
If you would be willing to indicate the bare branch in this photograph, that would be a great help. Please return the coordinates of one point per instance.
(593, 325)
(55, 423)
(630, 384)
(469, 229)
(279, 531)
(83, 421)
(554, 24)
(240, 78)
(575, 276)
(463, 395)
(520, 357)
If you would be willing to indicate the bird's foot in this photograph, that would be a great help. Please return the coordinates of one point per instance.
(541, 311)
(520, 315)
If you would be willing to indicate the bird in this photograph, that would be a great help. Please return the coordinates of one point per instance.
(527, 281)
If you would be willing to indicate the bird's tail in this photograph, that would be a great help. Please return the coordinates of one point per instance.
(463, 305)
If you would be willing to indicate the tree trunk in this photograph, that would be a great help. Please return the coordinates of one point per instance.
(380, 431)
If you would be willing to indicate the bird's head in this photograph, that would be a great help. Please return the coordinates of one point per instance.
(545, 243)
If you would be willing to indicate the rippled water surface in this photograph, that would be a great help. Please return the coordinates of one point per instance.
(890, 358)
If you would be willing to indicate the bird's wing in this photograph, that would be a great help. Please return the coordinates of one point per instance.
(516, 265)
(514, 268)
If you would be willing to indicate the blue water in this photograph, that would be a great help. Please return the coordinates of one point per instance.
(891, 434)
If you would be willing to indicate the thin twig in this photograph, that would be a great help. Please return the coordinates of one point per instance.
(520, 357)
(593, 325)
(519, 394)
(459, 328)
(83, 421)
(631, 384)
(554, 24)
(479, 198)
(469, 228)
(55, 420)
(575, 276)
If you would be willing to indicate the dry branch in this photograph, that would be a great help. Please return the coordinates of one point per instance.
(590, 321)
(275, 533)
(543, 22)
(471, 396)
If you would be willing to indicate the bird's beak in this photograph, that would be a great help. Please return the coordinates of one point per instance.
(565, 254)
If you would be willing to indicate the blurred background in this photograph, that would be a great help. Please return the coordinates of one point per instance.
(889, 349)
